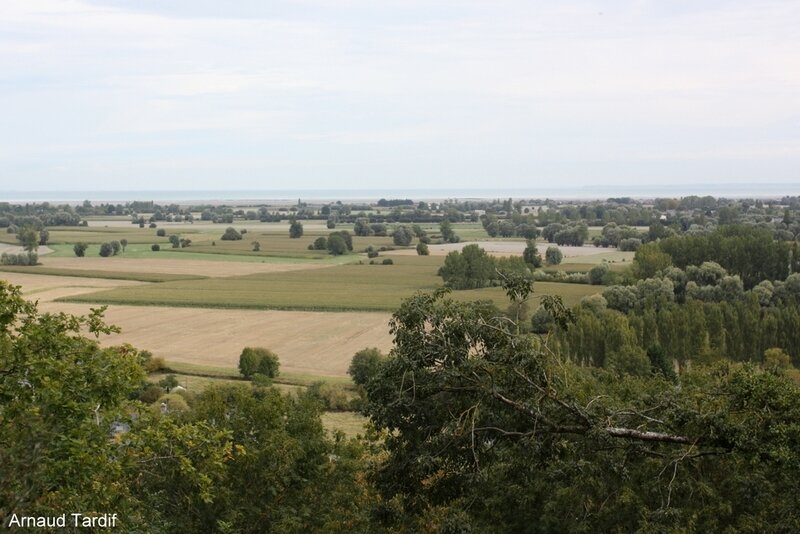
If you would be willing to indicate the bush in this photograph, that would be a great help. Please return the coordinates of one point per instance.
(256, 246)
(231, 234)
(372, 253)
(336, 245)
(168, 382)
(553, 256)
(80, 249)
(332, 396)
(259, 360)
(364, 365)
(348, 239)
(155, 248)
(598, 274)
(150, 394)
(387, 261)
(116, 247)
(531, 255)
(175, 240)
(19, 259)
(422, 249)
(174, 403)
(295, 230)
(630, 244)
(321, 243)
(402, 236)
(161, 232)
(261, 380)
(106, 250)
(153, 225)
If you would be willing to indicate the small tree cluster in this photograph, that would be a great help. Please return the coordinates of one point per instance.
(80, 249)
(231, 234)
(257, 360)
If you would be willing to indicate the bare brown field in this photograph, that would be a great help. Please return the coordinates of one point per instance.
(214, 269)
(306, 342)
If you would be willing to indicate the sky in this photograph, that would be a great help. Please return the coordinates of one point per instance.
(365, 94)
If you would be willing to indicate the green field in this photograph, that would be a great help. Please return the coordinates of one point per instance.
(285, 378)
(344, 287)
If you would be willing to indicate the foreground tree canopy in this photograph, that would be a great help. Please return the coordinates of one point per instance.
(243, 459)
(490, 430)
(478, 427)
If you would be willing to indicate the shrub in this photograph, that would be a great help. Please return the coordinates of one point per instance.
(161, 232)
(150, 394)
(598, 274)
(553, 256)
(30, 258)
(256, 246)
(155, 248)
(336, 245)
(106, 250)
(295, 229)
(231, 234)
(630, 244)
(80, 249)
(364, 365)
(175, 240)
(254, 360)
(321, 243)
(388, 261)
(174, 403)
(152, 225)
(116, 247)
(332, 396)
(531, 255)
(422, 249)
(261, 380)
(168, 382)
(402, 236)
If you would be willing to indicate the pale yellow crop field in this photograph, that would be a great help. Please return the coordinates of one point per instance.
(315, 343)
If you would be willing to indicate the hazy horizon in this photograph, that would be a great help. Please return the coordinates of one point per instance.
(596, 192)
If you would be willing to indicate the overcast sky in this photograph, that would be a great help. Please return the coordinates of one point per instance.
(206, 94)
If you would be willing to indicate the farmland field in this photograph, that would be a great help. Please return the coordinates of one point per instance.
(344, 287)
(319, 344)
(197, 307)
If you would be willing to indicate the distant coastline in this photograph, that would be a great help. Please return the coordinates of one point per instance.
(218, 196)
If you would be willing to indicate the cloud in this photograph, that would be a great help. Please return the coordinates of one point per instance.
(462, 90)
